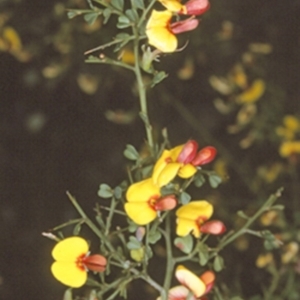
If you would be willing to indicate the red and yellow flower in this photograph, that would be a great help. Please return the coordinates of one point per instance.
(198, 286)
(182, 160)
(161, 32)
(144, 202)
(191, 7)
(192, 218)
(72, 261)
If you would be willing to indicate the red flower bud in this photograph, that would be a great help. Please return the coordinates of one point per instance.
(197, 7)
(166, 203)
(183, 26)
(213, 227)
(95, 262)
(188, 152)
(204, 156)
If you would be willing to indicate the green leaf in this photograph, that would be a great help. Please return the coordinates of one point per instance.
(122, 36)
(123, 22)
(218, 263)
(91, 17)
(278, 207)
(106, 14)
(138, 4)
(214, 180)
(199, 180)
(153, 237)
(133, 243)
(77, 229)
(131, 153)
(184, 198)
(132, 226)
(118, 4)
(185, 244)
(132, 15)
(203, 254)
(105, 191)
(241, 214)
(158, 77)
(118, 192)
(72, 14)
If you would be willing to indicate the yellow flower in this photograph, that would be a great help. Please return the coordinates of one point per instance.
(192, 7)
(72, 261)
(161, 32)
(290, 251)
(289, 148)
(145, 201)
(191, 283)
(264, 259)
(182, 160)
(191, 216)
(253, 93)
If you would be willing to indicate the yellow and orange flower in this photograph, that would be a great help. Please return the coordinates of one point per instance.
(191, 284)
(161, 32)
(192, 217)
(182, 160)
(144, 201)
(191, 7)
(72, 261)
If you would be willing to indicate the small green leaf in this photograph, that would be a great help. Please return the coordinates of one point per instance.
(137, 254)
(138, 4)
(158, 77)
(118, 4)
(123, 22)
(106, 14)
(214, 180)
(105, 191)
(72, 14)
(118, 192)
(91, 17)
(133, 243)
(241, 214)
(132, 226)
(131, 153)
(153, 237)
(278, 207)
(218, 263)
(132, 15)
(184, 198)
(199, 180)
(77, 229)
(203, 254)
(185, 244)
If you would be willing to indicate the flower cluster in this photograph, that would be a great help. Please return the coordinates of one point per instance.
(145, 201)
(161, 32)
(289, 133)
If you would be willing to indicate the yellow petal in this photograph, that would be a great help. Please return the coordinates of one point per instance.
(254, 93)
(187, 171)
(158, 32)
(291, 123)
(190, 280)
(168, 174)
(185, 227)
(140, 212)
(288, 148)
(69, 249)
(137, 254)
(69, 273)
(142, 191)
(174, 153)
(160, 165)
(195, 210)
(172, 5)
(12, 39)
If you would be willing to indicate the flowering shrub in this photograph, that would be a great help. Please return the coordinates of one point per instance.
(153, 208)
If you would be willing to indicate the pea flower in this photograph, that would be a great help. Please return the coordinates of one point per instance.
(191, 7)
(182, 160)
(192, 217)
(191, 284)
(145, 201)
(161, 32)
(72, 261)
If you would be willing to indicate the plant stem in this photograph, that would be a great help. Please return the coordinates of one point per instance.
(142, 91)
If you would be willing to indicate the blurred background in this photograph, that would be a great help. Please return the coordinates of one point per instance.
(64, 125)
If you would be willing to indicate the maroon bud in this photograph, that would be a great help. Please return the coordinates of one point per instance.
(197, 7)
(95, 262)
(188, 152)
(205, 156)
(183, 26)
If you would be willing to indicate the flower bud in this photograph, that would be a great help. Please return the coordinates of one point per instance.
(96, 262)
(204, 156)
(188, 152)
(213, 227)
